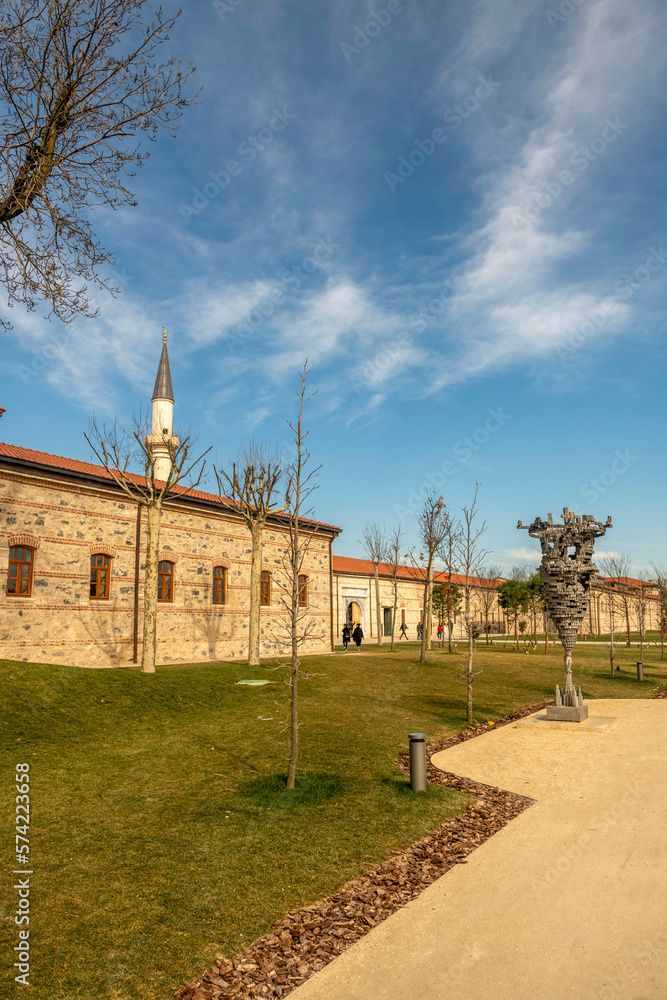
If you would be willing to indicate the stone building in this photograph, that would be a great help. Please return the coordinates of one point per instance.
(72, 569)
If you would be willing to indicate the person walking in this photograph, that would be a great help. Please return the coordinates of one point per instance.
(440, 633)
(346, 636)
(419, 630)
(404, 631)
(358, 635)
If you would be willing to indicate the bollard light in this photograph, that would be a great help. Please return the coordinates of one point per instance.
(640, 670)
(418, 762)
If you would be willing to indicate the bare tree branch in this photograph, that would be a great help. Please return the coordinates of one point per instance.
(74, 107)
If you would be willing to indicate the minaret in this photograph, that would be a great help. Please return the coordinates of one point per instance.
(161, 442)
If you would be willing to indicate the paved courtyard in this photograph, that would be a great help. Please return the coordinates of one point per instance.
(567, 902)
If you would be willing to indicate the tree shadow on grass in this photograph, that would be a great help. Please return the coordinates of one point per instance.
(312, 789)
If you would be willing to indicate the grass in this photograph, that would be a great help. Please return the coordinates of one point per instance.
(161, 833)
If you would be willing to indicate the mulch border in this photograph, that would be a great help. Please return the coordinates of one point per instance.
(310, 937)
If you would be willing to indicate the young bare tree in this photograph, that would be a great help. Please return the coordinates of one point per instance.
(433, 521)
(116, 450)
(640, 602)
(74, 104)
(299, 485)
(488, 594)
(617, 566)
(471, 557)
(608, 565)
(660, 578)
(447, 552)
(374, 544)
(393, 558)
(250, 486)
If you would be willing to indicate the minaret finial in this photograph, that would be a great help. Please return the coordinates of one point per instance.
(164, 335)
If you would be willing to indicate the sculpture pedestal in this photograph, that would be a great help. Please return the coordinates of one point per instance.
(567, 713)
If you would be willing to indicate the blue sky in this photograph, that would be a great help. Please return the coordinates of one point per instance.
(455, 211)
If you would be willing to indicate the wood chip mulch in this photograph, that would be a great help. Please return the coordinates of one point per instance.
(309, 938)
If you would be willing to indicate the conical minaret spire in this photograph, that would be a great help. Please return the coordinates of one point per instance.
(163, 389)
(162, 442)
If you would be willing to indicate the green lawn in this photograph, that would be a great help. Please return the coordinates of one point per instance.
(161, 833)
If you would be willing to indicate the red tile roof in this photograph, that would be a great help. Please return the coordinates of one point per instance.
(364, 567)
(47, 460)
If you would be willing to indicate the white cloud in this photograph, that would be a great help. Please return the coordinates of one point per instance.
(511, 301)
(523, 552)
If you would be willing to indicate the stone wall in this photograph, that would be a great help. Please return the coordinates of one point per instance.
(67, 522)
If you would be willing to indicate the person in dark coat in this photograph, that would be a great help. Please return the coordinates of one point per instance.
(346, 635)
(404, 631)
(358, 635)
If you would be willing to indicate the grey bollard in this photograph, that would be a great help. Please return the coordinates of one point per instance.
(418, 762)
(640, 670)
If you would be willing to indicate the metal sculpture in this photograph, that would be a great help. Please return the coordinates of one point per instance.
(566, 571)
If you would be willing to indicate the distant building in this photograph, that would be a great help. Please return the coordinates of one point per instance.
(355, 601)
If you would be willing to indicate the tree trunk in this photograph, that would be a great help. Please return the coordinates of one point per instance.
(627, 624)
(428, 611)
(294, 676)
(516, 630)
(426, 620)
(150, 590)
(378, 610)
(255, 594)
(469, 677)
(449, 633)
(393, 614)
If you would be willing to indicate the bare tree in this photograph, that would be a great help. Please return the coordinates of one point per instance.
(617, 567)
(608, 566)
(660, 578)
(471, 557)
(433, 523)
(640, 601)
(299, 485)
(447, 552)
(394, 543)
(374, 544)
(116, 450)
(250, 485)
(73, 106)
(488, 594)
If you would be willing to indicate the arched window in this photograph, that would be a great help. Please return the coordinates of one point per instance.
(100, 577)
(265, 588)
(165, 581)
(219, 585)
(19, 578)
(303, 590)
